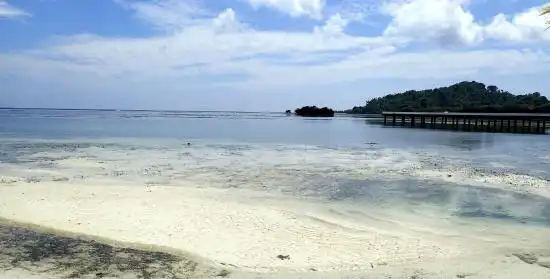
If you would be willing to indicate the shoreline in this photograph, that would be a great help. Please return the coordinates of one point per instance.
(220, 231)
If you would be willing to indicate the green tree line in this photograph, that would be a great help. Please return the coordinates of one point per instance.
(466, 96)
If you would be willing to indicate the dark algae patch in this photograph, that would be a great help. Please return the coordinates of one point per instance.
(72, 257)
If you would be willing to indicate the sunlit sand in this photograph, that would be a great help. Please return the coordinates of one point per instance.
(250, 211)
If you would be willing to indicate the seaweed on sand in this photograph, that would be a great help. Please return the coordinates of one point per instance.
(68, 257)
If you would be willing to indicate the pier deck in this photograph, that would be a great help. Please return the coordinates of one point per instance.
(535, 123)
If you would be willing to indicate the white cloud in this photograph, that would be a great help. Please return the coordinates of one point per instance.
(206, 47)
(227, 22)
(449, 23)
(526, 26)
(205, 50)
(356, 8)
(172, 15)
(8, 11)
(295, 8)
(446, 22)
(335, 25)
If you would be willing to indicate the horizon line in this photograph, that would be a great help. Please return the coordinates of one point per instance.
(130, 110)
(137, 110)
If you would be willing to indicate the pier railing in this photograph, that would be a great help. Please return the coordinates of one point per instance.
(488, 122)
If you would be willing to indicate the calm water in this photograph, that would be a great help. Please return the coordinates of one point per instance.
(500, 176)
(251, 127)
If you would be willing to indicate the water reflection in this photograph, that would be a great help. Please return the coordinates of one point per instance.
(460, 200)
(472, 141)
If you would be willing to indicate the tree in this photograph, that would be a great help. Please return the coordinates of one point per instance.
(313, 111)
(546, 11)
(466, 96)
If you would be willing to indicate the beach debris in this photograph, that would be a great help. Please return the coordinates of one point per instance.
(283, 257)
(60, 179)
(66, 257)
(545, 264)
(312, 269)
(32, 179)
(464, 275)
(232, 265)
(117, 173)
(526, 257)
(82, 177)
(9, 180)
(223, 273)
(418, 274)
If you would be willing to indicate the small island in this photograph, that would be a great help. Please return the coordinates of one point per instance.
(465, 97)
(313, 111)
(467, 105)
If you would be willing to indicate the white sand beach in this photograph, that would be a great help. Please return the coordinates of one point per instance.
(215, 225)
(268, 211)
(247, 231)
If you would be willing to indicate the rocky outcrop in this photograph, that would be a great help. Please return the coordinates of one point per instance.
(313, 111)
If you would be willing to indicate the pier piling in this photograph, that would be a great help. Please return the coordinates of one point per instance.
(534, 123)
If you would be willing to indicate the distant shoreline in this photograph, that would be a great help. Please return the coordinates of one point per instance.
(135, 110)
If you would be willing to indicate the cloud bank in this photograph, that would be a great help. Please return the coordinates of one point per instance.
(200, 50)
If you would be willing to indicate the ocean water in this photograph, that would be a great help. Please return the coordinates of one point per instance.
(504, 177)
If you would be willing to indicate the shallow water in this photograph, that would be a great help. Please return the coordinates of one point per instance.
(465, 175)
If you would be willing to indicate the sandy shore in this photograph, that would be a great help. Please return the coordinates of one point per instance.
(247, 234)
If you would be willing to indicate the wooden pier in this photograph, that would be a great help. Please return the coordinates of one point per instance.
(533, 123)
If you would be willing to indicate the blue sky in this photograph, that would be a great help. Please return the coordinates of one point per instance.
(262, 55)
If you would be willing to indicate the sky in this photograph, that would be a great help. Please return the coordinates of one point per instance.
(262, 55)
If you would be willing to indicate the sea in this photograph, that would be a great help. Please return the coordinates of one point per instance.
(345, 159)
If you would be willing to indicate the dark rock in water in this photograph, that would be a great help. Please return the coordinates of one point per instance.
(314, 111)
(448, 175)
(283, 257)
(526, 258)
(288, 111)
